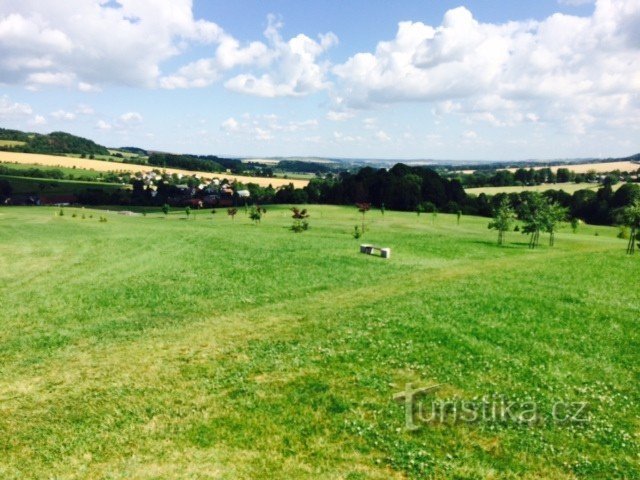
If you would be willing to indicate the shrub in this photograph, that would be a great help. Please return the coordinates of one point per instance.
(356, 232)
(623, 232)
(300, 222)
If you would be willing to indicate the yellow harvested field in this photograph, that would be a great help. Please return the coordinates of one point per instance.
(102, 166)
(601, 167)
(596, 167)
(568, 187)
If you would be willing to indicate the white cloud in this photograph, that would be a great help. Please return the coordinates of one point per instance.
(335, 116)
(83, 44)
(130, 118)
(382, 136)
(83, 109)
(266, 127)
(370, 123)
(38, 120)
(292, 67)
(204, 72)
(87, 87)
(13, 110)
(575, 72)
(63, 115)
(102, 125)
(469, 135)
(230, 125)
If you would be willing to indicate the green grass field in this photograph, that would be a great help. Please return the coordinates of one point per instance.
(11, 143)
(77, 172)
(28, 185)
(148, 347)
(567, 187)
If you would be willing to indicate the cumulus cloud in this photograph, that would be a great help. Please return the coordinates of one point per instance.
(83, 109)
(130, 117)
(85, 43)
(567, 69)
(292, 67)
(230, 125)
(102, 125)
(13, 110)
(71, 44)
(38, 120)
(63, 115)
(335, 116)
(229, 54)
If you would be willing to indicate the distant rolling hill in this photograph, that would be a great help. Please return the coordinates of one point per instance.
(52, 143)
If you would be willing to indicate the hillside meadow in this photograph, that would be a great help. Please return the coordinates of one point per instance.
(109, 166)
(149, 347)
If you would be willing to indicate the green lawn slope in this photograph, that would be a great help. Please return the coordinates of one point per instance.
(148, 347)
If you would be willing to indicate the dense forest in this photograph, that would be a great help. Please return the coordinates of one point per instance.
(421, 189)
(204, 163)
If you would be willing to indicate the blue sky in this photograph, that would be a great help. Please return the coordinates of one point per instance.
(363, 79)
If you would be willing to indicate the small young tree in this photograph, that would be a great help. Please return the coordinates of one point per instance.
(532, 214)
(187, 211)
(631, 219)
(419, 209)
(552, 215)
(575, 222)
(255, 214)
(503, 217)
(382, 208)
(458, 216)
(232, 212)
(165, 209)
(363, 208)
(300, 222)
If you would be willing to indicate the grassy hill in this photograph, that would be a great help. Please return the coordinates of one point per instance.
(152, 347)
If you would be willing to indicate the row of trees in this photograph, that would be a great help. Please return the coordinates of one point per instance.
(206, 163)
(530, 176)
(538, 214)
